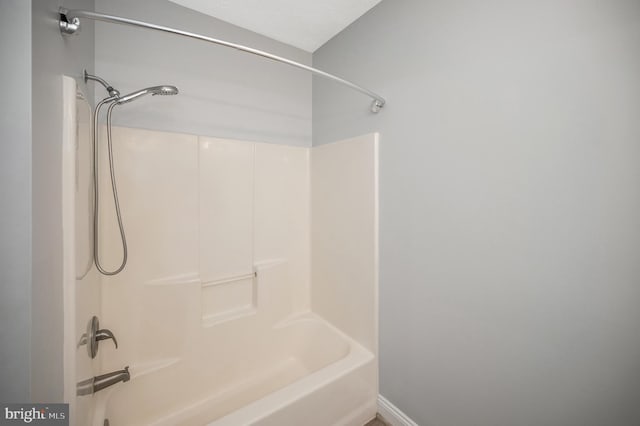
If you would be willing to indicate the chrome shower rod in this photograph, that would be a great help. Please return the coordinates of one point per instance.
(70, 23)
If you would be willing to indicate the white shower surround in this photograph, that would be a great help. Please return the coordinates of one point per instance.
(205, 339)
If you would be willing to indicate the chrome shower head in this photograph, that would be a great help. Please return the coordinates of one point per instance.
(153, 91)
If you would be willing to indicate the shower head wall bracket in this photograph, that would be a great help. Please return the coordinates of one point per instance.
(109, 88)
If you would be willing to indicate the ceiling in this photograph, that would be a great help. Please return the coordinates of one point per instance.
(306, 24)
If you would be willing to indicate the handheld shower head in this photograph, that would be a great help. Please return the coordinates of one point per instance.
(113, 100)
(153, 91)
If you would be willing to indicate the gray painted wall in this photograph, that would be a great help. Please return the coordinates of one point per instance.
(223, 92)
(15, 196)
(510, 204)
(52, 57)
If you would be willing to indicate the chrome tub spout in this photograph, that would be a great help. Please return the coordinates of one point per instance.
(97, 383)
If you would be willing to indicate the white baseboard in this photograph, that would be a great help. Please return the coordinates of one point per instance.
(392, 414)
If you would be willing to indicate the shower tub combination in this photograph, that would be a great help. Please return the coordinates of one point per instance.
(304, 367)
(250, 292)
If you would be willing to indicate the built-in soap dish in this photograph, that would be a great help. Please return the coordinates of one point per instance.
(229, 298)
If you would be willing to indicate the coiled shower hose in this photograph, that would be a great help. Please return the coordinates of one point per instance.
(96, 188)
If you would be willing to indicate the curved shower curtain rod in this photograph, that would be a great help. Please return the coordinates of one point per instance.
(70, 23)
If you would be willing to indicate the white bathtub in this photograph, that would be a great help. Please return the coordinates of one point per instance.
(282, 375)
(224, 312)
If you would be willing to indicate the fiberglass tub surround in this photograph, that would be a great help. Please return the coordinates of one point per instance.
(224, 311)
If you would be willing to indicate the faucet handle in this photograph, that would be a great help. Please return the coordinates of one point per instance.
(94, 335)
(105, 334)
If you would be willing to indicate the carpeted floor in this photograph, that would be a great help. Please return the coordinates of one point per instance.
(377, 422)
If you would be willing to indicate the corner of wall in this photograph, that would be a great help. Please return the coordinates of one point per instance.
(52, 57)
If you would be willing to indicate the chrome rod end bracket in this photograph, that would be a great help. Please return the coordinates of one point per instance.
(68, 26)
(376, 106)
